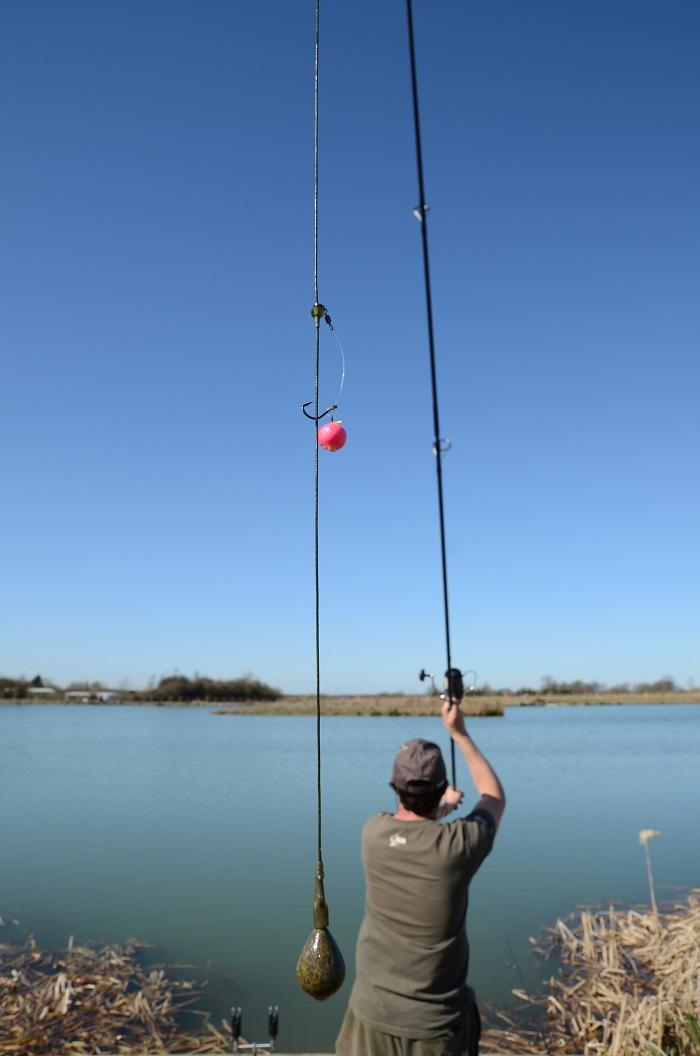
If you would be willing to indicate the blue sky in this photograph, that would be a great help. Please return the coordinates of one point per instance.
(156, 343)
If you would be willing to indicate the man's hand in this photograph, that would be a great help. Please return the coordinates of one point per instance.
(451, 798)
(453, 718)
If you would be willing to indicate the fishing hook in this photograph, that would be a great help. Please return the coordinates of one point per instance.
(314, 417)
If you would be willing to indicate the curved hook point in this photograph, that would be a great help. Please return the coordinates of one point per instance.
(317, 418)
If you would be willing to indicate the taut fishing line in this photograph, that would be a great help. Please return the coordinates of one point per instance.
(320, 968)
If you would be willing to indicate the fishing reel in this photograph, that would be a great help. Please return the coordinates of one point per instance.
(273, 1018)
(453, 683)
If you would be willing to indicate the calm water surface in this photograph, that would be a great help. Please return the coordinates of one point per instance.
(196, 833)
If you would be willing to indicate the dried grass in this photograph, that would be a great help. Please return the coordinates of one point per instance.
(82, 1000)
(380, 705)
(629, 981)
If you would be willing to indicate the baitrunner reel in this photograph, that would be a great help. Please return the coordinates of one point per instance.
(273, 1018)
(453, 683)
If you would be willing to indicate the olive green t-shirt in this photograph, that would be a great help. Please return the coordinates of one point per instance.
(412, 951)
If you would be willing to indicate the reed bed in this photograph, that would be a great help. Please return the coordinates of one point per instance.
(473, 705)
(629, 984)
(388, 705)
(84, 999)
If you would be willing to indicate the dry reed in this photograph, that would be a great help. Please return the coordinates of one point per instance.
(84, 1000)
(629, 982)
(381, 705)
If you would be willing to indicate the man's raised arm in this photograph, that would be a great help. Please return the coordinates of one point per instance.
(492, 797)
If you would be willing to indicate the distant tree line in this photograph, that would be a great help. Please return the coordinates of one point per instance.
(171, 688)
(579, 687)
(176, 687)
(18, 688)
(179, 687)
(13, 688)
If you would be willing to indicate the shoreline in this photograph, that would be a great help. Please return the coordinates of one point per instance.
(387, 705)
(86, 992)
(491, 705)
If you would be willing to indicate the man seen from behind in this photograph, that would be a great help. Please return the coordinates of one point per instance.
(411, 996)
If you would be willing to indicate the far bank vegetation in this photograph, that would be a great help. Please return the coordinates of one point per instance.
(248, 695)
(171, 689)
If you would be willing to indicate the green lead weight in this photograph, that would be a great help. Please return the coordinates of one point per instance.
(320, 968)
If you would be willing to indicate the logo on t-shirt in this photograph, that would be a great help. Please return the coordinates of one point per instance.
(396, 841)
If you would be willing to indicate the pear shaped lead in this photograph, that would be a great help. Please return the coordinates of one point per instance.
(320, 968)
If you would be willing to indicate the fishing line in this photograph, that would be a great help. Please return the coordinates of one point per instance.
(320, 968)
(341, 353)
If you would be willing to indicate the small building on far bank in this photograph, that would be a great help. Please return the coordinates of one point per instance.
(94, 696)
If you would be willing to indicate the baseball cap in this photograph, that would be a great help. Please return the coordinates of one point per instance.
(418, 767)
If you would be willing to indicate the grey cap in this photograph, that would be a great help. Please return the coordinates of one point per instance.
(419, 767)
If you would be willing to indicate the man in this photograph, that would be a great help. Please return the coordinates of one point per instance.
(411, 996)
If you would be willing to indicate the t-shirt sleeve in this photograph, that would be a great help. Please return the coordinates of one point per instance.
(480, 832)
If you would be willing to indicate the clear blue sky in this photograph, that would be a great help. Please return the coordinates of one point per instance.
(156, 343)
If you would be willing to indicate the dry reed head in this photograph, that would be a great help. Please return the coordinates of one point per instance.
(648, 834)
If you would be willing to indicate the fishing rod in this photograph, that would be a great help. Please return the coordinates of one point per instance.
(454, 678)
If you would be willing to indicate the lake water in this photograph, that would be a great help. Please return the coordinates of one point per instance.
(196, 833)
